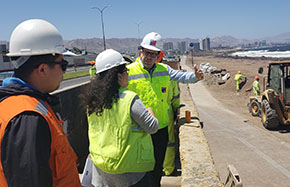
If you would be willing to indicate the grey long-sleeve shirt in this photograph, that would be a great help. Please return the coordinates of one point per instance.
(142, 116)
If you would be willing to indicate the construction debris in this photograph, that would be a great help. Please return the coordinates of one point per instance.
(214, 76)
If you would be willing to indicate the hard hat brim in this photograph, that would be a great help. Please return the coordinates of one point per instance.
(63, 52)
(105, 69)
(150, 47)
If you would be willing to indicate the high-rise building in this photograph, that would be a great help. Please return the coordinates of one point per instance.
(196, 47)
(182, 46)
(204, 44)
(167, 46)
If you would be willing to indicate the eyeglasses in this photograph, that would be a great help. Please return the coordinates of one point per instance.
(147, 53)
(62, 63)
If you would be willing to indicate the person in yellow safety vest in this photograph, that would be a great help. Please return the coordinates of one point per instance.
(256, 86)
(35, 150)
(92, 70)
(237, 78)
(174, 102)
(119, 127)
(150, 80)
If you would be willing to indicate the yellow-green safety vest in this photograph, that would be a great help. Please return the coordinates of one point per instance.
(116, 144)
(237, 79)
(153, 91)
(256, 88)
(174, 102)
(92, 71)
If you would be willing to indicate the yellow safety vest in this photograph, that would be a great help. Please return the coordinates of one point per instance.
(256, 88)
(92, 71)
(153, 91)
(174, 102)
(116, 145)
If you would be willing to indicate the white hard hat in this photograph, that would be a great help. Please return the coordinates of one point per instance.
(34, 37)
(108, 59)
(150, 40)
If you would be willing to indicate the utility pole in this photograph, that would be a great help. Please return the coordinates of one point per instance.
(138, 25)
(102, 20)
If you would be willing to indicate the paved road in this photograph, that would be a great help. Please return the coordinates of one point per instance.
(260, 158)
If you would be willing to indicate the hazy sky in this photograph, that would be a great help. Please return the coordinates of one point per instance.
(243, 19)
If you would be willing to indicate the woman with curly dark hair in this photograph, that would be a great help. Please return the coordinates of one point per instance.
(119, 127)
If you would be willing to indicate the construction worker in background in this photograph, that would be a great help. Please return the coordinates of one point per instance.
(34, 148)
(174, 101)
(150, 80)
(161, 55)
(119, 127)
(237, 78)
(92, 70)
(256, 86)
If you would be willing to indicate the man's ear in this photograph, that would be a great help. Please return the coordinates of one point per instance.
(41, 69)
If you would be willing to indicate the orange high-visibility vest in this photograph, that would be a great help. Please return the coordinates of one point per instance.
(62, 159)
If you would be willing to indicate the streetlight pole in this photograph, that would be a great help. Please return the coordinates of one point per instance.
(102, 20)
(138, 24)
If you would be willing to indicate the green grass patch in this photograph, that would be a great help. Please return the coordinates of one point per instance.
(71, 75)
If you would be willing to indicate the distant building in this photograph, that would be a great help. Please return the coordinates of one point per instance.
(196, 47)
(204, 44)
(3, 48)
(262, 43)
(167, 46)
(182, 46)
(201, 44)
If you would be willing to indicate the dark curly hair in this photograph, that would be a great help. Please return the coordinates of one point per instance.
(103, 91)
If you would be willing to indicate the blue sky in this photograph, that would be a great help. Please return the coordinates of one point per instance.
(243, 19)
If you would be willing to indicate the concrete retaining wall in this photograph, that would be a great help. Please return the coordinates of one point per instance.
(196, 160)
(75, 121)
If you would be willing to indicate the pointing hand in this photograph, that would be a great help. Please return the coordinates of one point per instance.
(198, 72)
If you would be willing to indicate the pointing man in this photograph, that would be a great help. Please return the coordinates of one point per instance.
(150, 80)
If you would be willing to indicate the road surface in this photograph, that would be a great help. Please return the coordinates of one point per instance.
(261, 158)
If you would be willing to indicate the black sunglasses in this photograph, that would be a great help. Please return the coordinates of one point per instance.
(62, 63)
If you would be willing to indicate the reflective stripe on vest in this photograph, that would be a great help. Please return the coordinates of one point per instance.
(42, 108)
(162, 73)
(153, 91)
(62, 161)
(138, 76)
(117, 145)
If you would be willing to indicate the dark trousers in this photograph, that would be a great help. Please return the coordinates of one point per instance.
(146, 181)
(160, 141)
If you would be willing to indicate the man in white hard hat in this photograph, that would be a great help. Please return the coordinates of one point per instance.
(150, 81)
(34, 148)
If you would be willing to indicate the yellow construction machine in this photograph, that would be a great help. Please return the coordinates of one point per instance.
(273, 106)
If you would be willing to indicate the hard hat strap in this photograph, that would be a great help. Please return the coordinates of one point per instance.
(20, 61)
